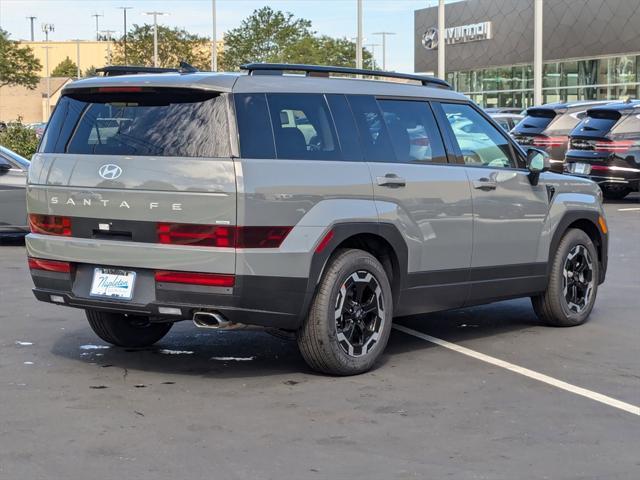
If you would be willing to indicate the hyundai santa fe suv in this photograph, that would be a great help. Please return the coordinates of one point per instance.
(547, 127)
(306, 204)
(605, 147)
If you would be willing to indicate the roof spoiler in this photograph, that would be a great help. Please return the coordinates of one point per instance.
(324, 71)
(117, 70)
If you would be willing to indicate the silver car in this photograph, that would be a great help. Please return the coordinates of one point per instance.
(13, 181)
(314, 207)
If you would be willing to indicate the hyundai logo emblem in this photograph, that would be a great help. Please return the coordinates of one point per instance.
(430, 39)
(110, 171)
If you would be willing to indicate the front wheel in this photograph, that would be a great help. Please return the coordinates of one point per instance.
(350, 318)
(126, 330)
(573, 282)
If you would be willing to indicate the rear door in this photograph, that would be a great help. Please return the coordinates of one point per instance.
(428, 199)
(145, 176)
(508, 211)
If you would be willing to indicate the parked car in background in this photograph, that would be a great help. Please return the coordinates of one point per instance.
(605, 147)
(548, 126)
(13, 180)
(38, 128)
(506, 120)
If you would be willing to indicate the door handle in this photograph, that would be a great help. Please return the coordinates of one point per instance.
(391, 180)
(485, 184)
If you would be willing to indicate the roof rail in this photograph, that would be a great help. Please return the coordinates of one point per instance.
(322, 71)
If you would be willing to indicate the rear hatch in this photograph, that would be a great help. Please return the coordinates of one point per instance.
(602, 141)
(136, 177)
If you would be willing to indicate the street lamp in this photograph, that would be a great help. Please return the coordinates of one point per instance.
(124, 14)
(97, 15)
(359, 39)
(214, 44)
(31, 20)
(46, 28)
(384, 47)
(155, 34)
(373, 46)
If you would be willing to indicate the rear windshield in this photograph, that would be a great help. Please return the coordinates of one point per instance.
(156, 122)
(597, 123)
(628, 126)
(536, 121)
(566, 122)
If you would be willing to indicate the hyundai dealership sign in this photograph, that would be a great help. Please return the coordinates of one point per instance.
(456, 35)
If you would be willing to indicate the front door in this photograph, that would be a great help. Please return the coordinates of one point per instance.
(508, 211)
(428, 199)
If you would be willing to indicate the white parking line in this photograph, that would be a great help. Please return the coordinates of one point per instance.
(631, 209)
(598, 397)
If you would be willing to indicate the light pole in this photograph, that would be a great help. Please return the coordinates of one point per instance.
(124, 37)
(31, 20)
(537, 53)
(373, 46)
(46, 67)
(155, 34)
(46, 28)
(359, 36)
(384, 47)
(77, 40)
(97, 15)
(442, 35)
(214, 45)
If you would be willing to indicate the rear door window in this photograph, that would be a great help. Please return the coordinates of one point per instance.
(374, 137)
(413, 131)
(151, 122)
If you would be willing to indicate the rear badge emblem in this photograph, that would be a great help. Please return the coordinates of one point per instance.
(110, 171)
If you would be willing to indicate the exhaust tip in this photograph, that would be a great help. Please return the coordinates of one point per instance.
(210, 320)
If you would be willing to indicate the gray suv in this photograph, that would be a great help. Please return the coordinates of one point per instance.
(311, 205)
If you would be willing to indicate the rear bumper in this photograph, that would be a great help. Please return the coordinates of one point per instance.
(273, 302)
(621, 178)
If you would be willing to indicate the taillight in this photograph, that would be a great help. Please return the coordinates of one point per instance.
(49, 265)
(208, 279)
(550, 142)
(50, 224)
(196, 235)
(221, 236)
(119, 89)
(615, 146)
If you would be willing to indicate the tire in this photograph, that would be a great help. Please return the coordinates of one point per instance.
(126, 330)
(615, 193)
(553, 306)
(352, 343)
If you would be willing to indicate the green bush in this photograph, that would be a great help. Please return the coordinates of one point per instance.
(20, 139)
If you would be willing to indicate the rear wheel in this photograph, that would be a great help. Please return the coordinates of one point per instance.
(126, 330)
(615, 192)
(573, 282)
(350, 318)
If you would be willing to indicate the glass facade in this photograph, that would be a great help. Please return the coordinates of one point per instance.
(605, 78)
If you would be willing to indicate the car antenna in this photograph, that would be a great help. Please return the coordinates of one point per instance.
(186, 68)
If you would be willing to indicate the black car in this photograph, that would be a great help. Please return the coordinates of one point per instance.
(605, 146)
(547, 127)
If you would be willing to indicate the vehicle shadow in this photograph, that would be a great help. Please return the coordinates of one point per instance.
(196, 352)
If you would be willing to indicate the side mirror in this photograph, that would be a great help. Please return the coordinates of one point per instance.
(537, 162)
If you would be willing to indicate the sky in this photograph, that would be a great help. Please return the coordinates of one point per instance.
(72, 19)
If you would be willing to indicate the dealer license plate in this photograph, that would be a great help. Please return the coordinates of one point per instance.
(113, 283)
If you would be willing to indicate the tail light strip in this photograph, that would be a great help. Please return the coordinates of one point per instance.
(221, 236)
(550, 141)
(619, 146)
(208, 279)
(49, 265)
(50, 224)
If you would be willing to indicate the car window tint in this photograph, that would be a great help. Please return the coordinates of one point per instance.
(413, 131)
(346, 127)
(159, 122)
(254, 126)
(479, 141)
(302, 127)
(629, 125)
(374, 137)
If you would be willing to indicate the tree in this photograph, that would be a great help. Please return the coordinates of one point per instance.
(66, 68)
(174, 45)
(20, 139)
(273, 36)
(18, 65)
(90, 71)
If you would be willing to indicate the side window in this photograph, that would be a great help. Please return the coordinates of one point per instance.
(413, 131)
(374, 137)
(302, 127)
(480, 142)
(254, 126)
(346, 127)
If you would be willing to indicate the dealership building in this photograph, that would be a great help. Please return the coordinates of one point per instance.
(591, 49)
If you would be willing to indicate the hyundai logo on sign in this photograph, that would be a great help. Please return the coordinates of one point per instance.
(455, 35)
(110, 171)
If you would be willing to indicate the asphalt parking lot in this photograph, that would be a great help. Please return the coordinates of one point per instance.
(205, 404)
